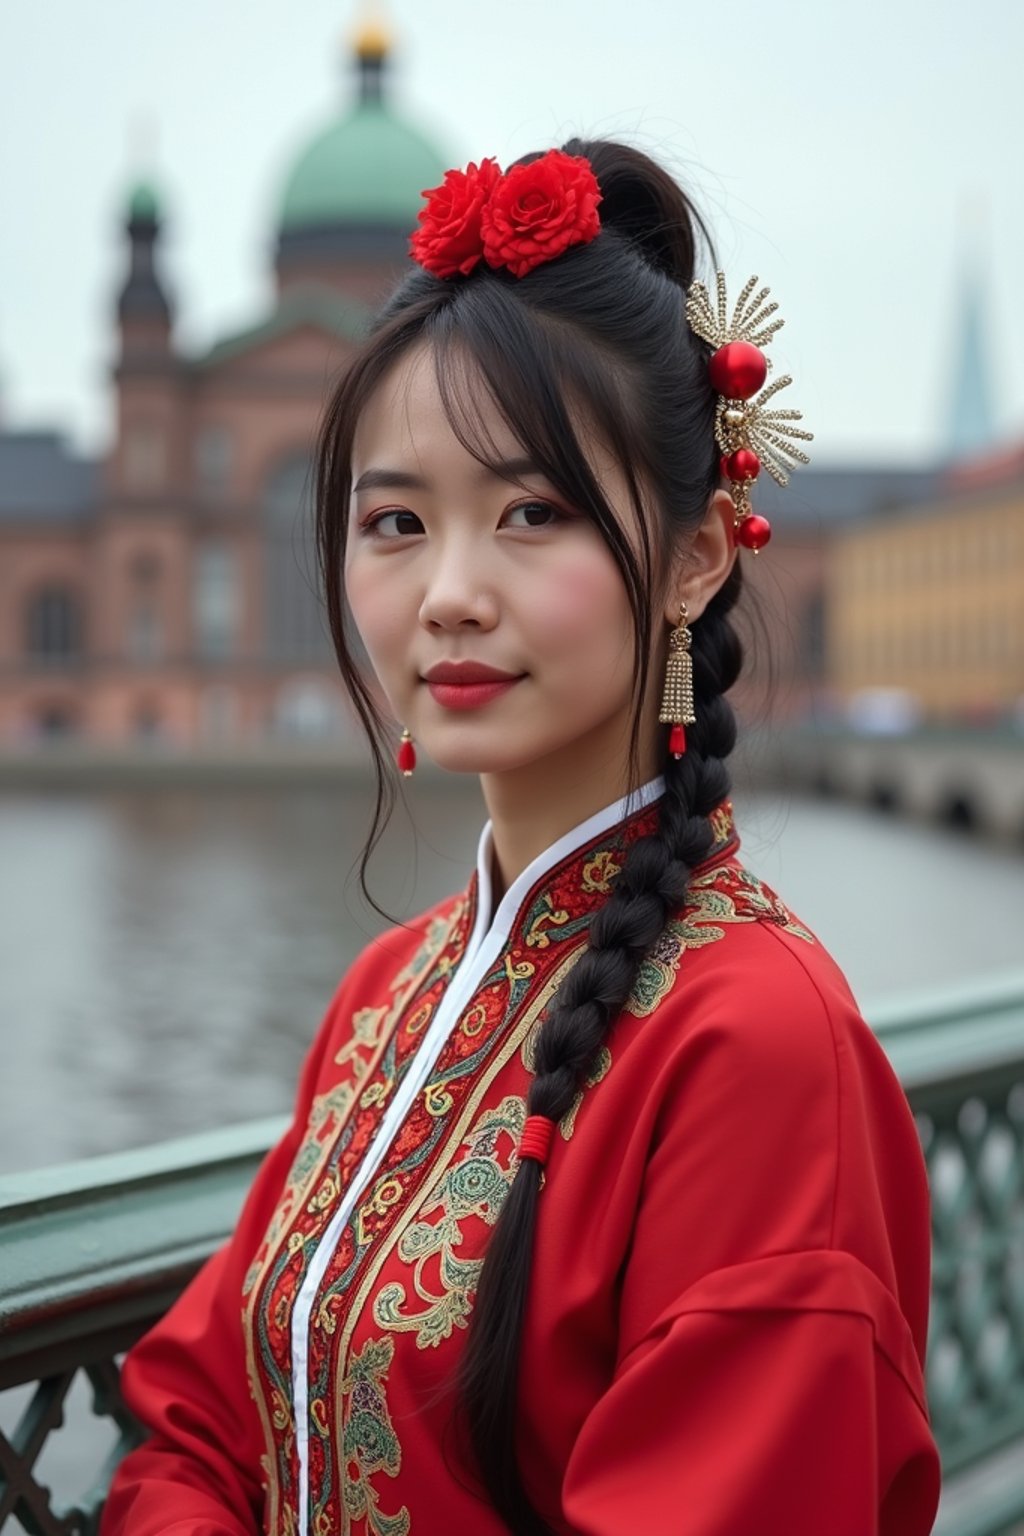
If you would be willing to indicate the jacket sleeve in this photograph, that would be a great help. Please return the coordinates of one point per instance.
(186, 1380)
(773, 1302)
(774, 1398)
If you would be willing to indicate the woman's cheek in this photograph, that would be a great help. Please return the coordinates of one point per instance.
(579, 598)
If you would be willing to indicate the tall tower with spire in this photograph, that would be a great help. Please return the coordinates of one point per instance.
(143, 308)
(972, 428)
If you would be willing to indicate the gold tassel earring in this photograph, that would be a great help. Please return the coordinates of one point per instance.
(677, 700)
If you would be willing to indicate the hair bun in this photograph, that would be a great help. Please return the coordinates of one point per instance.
(647, 206)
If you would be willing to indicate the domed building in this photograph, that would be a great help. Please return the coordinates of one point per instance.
(172, 591)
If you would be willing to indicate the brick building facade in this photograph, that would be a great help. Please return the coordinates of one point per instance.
(171, 591)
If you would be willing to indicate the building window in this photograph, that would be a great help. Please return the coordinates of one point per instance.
(214, 453)
(219, 716)
(295, 615)
(146, 722)
(215, 600)
(145, 633)
(308, 709)
(54, 625)
(812, 646)
(144, 568)
(144, 458)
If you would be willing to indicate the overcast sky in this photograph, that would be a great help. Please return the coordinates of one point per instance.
(853, 156)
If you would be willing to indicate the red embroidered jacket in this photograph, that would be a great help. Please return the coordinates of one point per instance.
(727, 1317)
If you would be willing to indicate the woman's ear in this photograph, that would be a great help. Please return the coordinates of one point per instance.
(704, 562)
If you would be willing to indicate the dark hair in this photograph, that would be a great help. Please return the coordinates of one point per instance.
(603, 327)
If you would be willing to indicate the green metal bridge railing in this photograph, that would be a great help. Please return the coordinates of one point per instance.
(93, 1253)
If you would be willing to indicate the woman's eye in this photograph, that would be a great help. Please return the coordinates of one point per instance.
(389, 525)
(536, 514)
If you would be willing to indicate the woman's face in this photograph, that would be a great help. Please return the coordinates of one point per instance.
(446, 563)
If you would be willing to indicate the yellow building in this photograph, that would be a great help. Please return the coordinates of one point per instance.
(929, 598)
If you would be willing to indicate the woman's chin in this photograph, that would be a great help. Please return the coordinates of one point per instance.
(470, 757)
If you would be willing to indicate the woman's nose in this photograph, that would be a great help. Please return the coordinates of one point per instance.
(458, 592)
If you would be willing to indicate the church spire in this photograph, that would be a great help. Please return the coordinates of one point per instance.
(142, 297)
(972, 427)
(371, 48)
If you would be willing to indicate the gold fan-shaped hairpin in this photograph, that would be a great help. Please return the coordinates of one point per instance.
(747, 434)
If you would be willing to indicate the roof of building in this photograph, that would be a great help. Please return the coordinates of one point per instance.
(307, 304)
(368, 166)
(42, 479)
(820, 497)
(997, 466)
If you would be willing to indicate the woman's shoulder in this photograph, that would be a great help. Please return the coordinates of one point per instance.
(740, 991)
(424, 933)
(753, 1056)
(409, 948)
(736, 936)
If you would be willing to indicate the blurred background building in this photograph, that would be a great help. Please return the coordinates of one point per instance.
(169, 592)
(928, 598)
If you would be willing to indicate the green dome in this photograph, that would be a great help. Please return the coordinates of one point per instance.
(368, 166)
(143, 202)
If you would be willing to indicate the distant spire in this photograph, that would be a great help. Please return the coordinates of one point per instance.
(371, 45)
(142, 294)
(972, 427)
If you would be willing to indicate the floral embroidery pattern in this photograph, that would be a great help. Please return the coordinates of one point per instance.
(369, 1443)
(727, 894)
(474, 1187)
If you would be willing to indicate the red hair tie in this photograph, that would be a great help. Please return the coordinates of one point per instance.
(535, 1141)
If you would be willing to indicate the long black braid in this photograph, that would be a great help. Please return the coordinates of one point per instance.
(649, 888)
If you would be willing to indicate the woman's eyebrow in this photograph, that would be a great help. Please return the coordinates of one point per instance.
(402, 479)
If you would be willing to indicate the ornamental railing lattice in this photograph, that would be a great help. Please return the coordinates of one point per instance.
(91, 1255)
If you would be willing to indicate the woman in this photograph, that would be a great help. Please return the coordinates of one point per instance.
(602, 1210)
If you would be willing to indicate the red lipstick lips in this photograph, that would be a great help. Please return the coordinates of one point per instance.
(467, 684)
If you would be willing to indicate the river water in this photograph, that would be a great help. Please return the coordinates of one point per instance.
(169, 953)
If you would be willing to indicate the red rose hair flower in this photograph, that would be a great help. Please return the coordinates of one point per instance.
(448, 240)
(530, 214)
(536, 211)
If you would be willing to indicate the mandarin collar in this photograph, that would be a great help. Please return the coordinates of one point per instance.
(606, 833)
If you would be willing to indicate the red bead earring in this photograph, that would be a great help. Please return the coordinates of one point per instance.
(406, 754)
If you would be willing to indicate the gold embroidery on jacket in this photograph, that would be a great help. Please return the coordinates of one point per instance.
(600, 871)
(514, 1109)
(536, 936)
(371, 1030)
